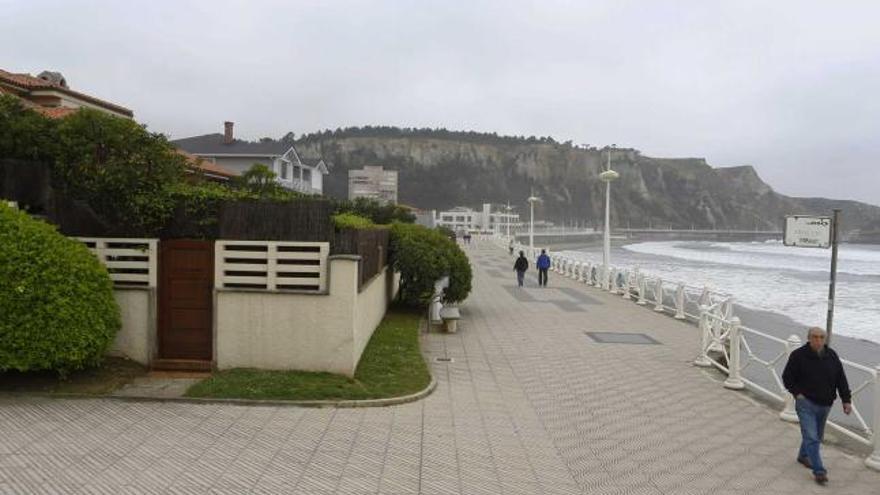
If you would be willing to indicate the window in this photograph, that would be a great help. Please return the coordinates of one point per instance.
(284, 170)
(307, 175)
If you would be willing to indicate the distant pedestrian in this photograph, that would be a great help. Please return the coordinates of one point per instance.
(467, 237)
(543, 265)
(520, 267)
(510, 246)
(814, 376)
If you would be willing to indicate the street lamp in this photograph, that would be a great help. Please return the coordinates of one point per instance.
(607, 176)
(532, 200)
(507, 209)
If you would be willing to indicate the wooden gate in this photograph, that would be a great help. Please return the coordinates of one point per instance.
(186, 308)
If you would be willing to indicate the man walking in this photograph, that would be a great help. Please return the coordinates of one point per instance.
(814, 376)
(520, 266)
(543, 265)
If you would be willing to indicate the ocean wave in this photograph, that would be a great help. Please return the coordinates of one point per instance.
(851, 261)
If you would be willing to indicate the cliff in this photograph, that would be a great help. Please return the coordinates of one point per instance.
(440, 169)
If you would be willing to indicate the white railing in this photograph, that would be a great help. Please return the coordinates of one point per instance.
(130, 262)
(271, 265)
(728, 345)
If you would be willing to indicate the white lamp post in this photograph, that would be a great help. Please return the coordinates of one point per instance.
(607, 176)
(532, 200)
(507, 209)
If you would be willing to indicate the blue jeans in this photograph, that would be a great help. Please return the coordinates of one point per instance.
(812, 418)
(519, 277)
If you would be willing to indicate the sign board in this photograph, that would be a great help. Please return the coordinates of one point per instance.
(807, 231)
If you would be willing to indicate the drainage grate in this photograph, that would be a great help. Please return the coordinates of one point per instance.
(444, 360)
(621, 338)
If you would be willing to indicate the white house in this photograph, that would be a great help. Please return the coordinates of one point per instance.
(463, 218)
(238, 156)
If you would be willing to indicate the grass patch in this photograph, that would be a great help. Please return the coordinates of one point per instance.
(113, 373)
(391, 366)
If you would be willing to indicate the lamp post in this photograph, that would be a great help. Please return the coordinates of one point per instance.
(607, 176)
(532, 200)
(507, 209)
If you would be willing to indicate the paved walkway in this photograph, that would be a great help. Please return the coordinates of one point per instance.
(529, 405)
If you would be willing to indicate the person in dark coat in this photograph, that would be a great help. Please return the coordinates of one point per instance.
(814, 376)
(520, 267)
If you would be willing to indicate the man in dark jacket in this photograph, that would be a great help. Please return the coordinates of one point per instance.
(520, 267)
(814, 376)
(543, 265)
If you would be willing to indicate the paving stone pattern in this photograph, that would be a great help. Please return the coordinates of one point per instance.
(530, 405)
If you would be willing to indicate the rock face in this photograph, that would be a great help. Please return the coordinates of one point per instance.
(451, 169)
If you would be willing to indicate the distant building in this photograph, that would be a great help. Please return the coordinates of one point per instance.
(238, 156)
(373, 182)
(463, 218)
(49, 94)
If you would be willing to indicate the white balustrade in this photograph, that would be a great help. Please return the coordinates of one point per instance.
(788, 413)
(658, 295)
(679, 302)
(873, 461)
(702, 359)
(733, 380)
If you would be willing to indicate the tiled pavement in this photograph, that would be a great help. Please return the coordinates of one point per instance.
(529, 405)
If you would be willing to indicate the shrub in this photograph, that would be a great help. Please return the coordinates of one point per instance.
(379, 212)
(422, 256)
(56, 299)
(351, 221)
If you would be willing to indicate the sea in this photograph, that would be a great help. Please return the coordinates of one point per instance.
(768, 276)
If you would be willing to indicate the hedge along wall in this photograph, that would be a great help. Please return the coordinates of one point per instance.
(370, 244)
(297, 220)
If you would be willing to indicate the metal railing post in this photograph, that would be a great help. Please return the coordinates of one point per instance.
(788, 413)
(679, 302)
(658, 295)
(734, 381)
(873, 461)
(703, 358)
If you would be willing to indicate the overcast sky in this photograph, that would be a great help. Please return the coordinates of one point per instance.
(787, 86)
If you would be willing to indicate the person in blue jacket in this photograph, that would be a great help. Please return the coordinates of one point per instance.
(543, 265)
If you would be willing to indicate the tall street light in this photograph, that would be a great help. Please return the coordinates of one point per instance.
(507, 209)
(532, 200)
(607, 176)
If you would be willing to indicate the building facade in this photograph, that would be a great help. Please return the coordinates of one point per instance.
(484, 220)
(49, 94)
(373, 182)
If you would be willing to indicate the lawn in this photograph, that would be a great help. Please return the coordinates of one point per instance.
(391, 366)
(112, 374)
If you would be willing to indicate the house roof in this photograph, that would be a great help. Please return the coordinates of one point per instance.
(26, 83)
(206, 167)
(212, 144)
(318, 164)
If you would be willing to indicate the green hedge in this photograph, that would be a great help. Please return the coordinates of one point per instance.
(422, 256)
(56, 299)
(351, 221)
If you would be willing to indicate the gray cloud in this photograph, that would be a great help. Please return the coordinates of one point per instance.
(785, 86)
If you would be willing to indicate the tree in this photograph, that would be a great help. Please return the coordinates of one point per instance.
(259, 180)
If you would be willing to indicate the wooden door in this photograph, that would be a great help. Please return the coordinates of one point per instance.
(186, 283)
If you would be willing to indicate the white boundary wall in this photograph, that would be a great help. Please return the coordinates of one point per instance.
(133, 267)
(300, 329)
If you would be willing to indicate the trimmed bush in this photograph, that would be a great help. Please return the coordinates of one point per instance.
(56, 299)
(422, 256)
(351, 221)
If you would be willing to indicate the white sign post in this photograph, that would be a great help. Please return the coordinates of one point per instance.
(816, 232)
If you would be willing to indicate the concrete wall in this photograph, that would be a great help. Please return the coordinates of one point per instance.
(287, 330)
(136, 338)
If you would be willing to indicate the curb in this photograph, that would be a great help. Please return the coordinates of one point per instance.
(389, 401)
(341, 404)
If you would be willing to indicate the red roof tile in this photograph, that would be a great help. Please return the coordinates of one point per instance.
(29, 83)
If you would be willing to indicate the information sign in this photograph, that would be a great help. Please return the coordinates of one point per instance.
(807, 231)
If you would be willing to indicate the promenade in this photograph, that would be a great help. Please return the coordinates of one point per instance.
(528, 404)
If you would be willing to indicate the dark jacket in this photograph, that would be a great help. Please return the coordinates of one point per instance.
(521, 265)
(543, 261)
(819, 379)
